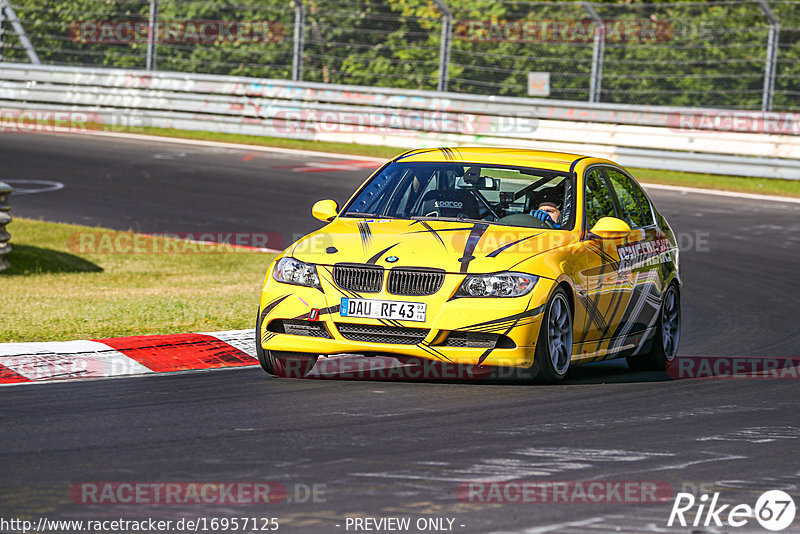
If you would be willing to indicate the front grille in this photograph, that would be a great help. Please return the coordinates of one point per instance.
(382, 334)
(295, 327)
(359, 278)
(415, 282)
(477, 340)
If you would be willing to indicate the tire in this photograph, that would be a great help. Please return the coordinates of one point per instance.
(553, 351)
(280, 363)
(667, 336)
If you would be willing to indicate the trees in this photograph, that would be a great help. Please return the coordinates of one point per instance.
(700, 54)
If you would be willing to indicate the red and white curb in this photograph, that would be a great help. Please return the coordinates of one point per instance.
(123, 356)
(22, 363)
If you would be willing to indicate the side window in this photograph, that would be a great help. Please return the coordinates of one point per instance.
(647, 211)
(402, 203)
(597, 199)
(420, 188)
(413, 186)
(628, 198)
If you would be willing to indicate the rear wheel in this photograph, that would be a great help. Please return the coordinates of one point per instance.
(667, 337)
(281, 363)
(554, 348)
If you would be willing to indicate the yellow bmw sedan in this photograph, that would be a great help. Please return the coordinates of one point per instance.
(493, 257)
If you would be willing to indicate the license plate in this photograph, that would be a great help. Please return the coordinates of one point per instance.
(383, 309)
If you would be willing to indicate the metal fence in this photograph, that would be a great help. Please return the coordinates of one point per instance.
(720, 54)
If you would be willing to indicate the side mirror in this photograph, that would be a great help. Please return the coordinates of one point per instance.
(610, 228)
(325, 210)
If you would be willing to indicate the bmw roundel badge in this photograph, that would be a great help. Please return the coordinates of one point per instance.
(392, 259)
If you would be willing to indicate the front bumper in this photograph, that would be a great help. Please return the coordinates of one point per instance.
(514, 322)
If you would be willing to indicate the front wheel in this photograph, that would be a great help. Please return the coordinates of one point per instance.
(667, 337)
(554, 348)
(280, 363)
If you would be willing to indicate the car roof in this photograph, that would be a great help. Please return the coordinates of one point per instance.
(557, 161)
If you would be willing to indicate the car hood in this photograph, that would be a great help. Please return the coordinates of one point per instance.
(456, 247)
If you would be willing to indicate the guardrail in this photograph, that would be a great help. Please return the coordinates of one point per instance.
(5, 218)
(686, 139)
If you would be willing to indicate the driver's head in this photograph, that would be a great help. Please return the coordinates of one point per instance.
(551, 208)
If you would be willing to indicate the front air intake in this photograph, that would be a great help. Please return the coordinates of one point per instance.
(392, 335)
(358, 278)
(415, 282)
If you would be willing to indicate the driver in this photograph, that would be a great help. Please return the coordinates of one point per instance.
(548, 211)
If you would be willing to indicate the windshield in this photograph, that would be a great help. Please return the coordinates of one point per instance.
(465, 191)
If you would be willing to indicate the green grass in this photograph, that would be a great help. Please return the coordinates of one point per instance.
(740, 184)
(55, 290)
(766, 186)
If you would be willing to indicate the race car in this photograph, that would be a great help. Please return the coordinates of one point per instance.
(495, 257)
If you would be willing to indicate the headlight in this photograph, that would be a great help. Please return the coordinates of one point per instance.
(291, 271)
(497, 285)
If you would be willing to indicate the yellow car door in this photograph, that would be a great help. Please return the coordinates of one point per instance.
(605, 290)
(641, 255)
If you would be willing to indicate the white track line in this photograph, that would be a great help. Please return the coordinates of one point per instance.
(313, 153)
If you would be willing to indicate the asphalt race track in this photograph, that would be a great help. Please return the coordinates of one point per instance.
(400, 449)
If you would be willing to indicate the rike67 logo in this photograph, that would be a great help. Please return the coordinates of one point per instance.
(774, 510)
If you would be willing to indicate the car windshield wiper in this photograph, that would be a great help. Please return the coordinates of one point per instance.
(456, 219)
(365, 215)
